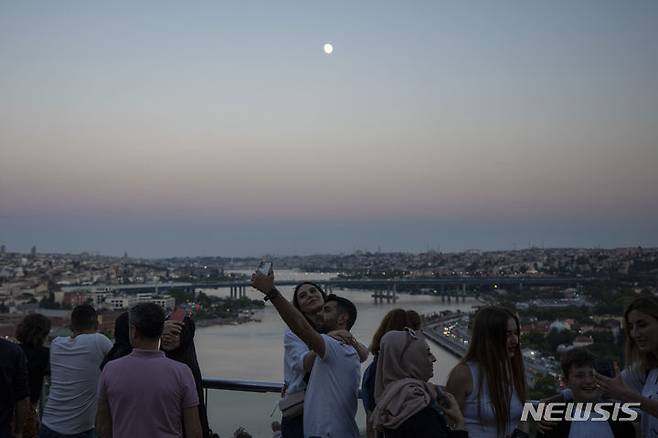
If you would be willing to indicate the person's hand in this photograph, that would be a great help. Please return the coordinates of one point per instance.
(613, 387)
(343, 336)
(544, 426)
(523, 426)
(171, 335)
(261, 282)
(452, 412)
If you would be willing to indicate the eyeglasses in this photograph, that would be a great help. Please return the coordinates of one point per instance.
(411, 336)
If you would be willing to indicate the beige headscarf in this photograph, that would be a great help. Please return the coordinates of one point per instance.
(401, 387)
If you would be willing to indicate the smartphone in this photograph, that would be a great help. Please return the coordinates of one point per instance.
(605, 367)
(177, 315)
(441, 399)
(265, 268)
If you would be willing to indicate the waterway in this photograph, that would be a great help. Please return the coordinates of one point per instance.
(254, 351)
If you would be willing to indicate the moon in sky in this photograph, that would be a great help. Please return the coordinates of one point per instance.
(328, 48)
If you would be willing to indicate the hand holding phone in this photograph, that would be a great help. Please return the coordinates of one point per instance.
(263, 278)
(450, 408)
(265, 268)
(178, 315)
(605, 367)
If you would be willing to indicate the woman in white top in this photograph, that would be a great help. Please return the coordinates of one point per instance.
(308, 298)
(638, 383)
(489, 382)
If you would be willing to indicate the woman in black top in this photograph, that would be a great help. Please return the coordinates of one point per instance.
(178, 344)
(121, 345)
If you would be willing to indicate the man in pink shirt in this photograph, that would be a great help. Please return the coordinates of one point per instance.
(145, 394)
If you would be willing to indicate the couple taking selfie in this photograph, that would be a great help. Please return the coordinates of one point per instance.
(322, 361)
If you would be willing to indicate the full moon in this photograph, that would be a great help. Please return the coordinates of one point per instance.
(328, 48)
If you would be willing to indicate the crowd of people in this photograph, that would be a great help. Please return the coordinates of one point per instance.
(148, 382)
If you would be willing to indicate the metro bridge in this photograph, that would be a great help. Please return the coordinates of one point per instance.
(387, 287)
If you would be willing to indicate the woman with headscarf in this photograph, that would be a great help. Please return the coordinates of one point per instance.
(408, 406)
(396, 319)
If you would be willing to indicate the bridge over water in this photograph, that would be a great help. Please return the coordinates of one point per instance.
(384, 288)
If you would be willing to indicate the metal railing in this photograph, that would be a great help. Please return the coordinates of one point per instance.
(239, 385)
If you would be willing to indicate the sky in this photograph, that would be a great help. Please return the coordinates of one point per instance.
(222, 128)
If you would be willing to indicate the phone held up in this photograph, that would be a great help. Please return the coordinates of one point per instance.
(265, 268)
(605, 367)
(178, 314)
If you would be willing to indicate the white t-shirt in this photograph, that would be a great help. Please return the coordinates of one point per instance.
(330, 402)
(74, 372)
(588, 429)
(293, 362)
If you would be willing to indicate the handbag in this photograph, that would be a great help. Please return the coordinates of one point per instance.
(292, 405)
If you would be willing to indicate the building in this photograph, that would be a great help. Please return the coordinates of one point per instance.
(120, 302)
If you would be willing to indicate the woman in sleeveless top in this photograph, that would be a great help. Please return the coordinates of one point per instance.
(638, 383)
(489, 382)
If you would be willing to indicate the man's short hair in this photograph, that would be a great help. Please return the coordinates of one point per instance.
(343, 305)
(84, 317)
(576, 357)
(148, 319)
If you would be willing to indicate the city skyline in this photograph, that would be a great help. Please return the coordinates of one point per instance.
(225, 129)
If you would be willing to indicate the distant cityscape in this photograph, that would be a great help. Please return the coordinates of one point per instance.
(553, 318)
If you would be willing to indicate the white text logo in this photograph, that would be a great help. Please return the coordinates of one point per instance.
(602, 411)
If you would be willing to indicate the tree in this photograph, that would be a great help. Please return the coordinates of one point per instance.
(545, 386)
(556, 337)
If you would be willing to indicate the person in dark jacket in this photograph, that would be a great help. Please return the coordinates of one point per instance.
(408, 406)
(32, 333)
(578, 371)
(121, 345)
(14, 390)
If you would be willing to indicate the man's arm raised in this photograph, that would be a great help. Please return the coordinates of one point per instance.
(291, 316)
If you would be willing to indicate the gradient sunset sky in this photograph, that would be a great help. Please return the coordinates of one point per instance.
(222, 128)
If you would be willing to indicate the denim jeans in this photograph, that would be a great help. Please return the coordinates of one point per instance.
(292, 427)
(49, 433)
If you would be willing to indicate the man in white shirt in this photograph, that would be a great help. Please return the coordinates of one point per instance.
(74, 372)
(331, 397)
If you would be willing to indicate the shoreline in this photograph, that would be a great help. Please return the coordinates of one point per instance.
(210, 322)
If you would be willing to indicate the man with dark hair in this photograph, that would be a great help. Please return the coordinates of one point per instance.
(145, 393)
(14, 394)
(344, 307)
(74, 371)
(84, 318)
(578, 374)
(330, 400)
